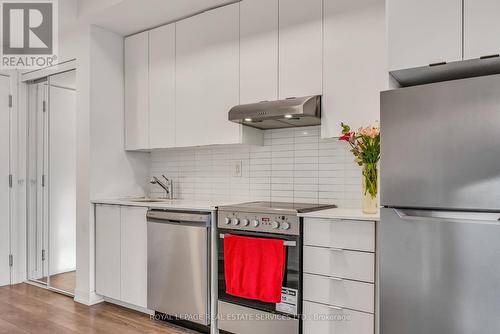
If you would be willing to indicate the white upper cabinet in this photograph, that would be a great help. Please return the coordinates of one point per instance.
(355, 63)
(162, 87)
(207, 80)
(190, 82)
(481, 28)
(258, 51)
(207, 77)
(424, 32)
(300, 48)
(137, 92)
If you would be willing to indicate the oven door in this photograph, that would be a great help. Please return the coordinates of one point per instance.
(291, 304)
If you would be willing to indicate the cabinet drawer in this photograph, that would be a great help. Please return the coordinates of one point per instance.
(321, 319)
(346, 234)
(339, 292)
(339, 263)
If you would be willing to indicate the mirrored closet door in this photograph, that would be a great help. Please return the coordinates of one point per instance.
(52, 181)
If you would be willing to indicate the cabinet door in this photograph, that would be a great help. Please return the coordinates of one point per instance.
(258, 51)
(207, 77)
(134, 261)
(355, 64)
(423, 32)
(300, 48)
(107, 248)
(481, 28)
(137, 92)
(162, 87)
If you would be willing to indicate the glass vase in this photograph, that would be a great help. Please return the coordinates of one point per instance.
(370, 188)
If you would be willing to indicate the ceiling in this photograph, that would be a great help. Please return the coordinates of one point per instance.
(127, 17)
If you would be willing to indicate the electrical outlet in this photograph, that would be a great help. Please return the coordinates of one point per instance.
(237, 169)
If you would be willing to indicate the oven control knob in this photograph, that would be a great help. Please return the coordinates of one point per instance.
(275, 224)
(245, 222)
(227, 221)
(285, 226)
(255, 223)
(236, 221)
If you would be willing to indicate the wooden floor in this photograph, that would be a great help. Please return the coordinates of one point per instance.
(64, 281)
(28, 309)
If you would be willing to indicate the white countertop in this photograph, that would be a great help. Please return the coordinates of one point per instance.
(341, 213)
(174, 204)
(184, 204)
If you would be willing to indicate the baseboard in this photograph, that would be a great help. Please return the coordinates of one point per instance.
(19, 277)
(87, 298)
(130, 306)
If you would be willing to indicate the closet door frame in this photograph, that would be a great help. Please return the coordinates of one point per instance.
(6, 259)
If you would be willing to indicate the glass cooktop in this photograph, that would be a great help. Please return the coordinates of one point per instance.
(278, 207)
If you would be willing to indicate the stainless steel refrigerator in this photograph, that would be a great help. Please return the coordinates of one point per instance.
(439, 235)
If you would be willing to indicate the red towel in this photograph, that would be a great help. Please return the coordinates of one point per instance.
(254, 267)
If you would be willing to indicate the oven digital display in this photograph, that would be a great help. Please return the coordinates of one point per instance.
(265, 219)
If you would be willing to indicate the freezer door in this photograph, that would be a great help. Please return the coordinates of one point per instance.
(441, 145)
(439, 272)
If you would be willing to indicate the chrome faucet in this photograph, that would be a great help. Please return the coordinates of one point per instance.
(167, 186)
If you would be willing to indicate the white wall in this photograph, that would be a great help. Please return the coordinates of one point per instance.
(293, 165)
(113, 172)
(68, 30)
(104, 169)
(89, 7)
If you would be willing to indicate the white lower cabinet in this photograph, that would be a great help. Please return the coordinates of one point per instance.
(322, 319)
(134, 256)
(345, 234)
(121, 253)
(340, 292)
(340, 263)
(339, 283)
(107, 250)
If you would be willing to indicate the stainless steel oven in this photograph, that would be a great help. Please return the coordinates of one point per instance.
(263, 220)
(292, 281)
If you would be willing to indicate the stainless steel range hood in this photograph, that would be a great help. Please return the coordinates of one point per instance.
(291, 112)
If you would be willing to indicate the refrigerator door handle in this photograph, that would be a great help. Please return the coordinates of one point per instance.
(492, 217)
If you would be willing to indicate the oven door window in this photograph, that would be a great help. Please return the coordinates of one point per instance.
(291, 286)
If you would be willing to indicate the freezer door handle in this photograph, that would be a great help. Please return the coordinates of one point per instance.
(492, 217)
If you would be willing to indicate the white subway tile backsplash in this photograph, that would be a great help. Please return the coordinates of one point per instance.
(293, 165)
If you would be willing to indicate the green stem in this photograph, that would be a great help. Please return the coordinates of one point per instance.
(370, 173)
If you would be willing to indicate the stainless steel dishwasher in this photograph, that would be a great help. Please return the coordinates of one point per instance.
(178, 264)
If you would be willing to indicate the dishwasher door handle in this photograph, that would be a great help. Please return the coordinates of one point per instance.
(177, 217)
